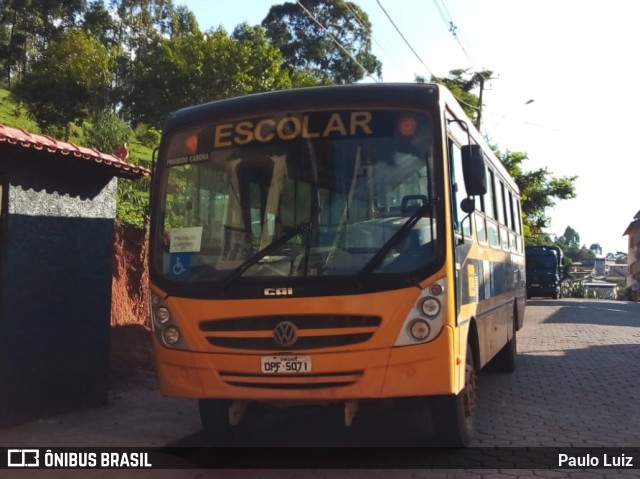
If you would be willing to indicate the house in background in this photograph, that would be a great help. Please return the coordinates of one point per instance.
(599, 288)
(633, 257)
(57, 217)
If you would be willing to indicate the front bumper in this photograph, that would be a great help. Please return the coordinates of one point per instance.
(419, 370)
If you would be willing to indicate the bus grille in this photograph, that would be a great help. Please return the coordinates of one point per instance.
(315, 331)
(299, 381)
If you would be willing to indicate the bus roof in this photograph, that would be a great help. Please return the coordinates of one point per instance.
(317, 97)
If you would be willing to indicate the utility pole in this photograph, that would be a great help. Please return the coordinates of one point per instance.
(479, 115)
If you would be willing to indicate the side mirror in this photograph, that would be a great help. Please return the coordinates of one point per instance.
(468, 205)
(473, 170)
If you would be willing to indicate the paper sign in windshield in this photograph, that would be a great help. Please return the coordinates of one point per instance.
(186, 240)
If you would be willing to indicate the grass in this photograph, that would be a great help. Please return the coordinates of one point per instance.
(13, 115)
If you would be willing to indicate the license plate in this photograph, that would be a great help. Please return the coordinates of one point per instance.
(285, 364)
(535, 285)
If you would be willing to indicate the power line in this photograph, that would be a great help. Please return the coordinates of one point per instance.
(352, 8)
(335, 40)
(403, 37)
(453, 29)
(354, 12)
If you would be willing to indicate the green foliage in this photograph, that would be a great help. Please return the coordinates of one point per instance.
(100, 23)
(570, 244)
(12, 114)
(27, 26)
(334, 46)
(77, 67)
(106, 132)
(198, 68)
(147, 135)
(461, 82)
(133, 202)
(573, 290)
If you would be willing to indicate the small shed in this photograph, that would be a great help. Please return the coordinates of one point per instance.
(57, 216)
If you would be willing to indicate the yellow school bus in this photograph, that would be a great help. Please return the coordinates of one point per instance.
(340, 245)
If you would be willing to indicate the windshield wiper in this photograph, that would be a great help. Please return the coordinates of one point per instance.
(255, 258)
(396, 238)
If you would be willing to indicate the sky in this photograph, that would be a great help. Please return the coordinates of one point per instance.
(576, 59)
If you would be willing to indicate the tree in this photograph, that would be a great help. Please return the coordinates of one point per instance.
(202, 67)
(461, 82)
(17, 24)
(329, 39)
(596, 248)
(28, 26)
(570, 244)
(570, 239)
(68, 82)
(100, 23)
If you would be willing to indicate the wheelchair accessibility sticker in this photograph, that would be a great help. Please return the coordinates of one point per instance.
(180, 265)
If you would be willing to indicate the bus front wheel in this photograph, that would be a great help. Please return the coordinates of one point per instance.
(454, 415)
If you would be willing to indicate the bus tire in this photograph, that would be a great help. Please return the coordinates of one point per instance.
(505, 360)
(454, 415)
(214, 416)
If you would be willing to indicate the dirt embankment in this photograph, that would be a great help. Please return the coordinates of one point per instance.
(131, 361)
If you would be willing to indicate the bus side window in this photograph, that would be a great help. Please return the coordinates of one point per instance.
(502, 217)
(490, 210)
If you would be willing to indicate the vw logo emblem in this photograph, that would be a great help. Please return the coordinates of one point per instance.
(285, 334)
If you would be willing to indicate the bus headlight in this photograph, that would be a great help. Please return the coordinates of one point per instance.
(425, 319)
(164, 325)
(430, 307)
(419, 329)
(162, 315)
(171, 335)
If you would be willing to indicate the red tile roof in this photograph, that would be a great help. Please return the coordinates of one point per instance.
(22, 138)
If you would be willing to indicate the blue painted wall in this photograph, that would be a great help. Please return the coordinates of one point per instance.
(55, 286)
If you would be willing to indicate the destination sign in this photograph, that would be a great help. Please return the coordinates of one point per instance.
(290, 128)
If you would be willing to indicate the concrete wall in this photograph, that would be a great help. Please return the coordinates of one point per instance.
(55, 286)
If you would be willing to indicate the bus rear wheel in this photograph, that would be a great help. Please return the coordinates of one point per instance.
(454, 415)
(214, 416)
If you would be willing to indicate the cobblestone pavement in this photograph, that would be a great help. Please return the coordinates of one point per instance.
(576, 385)
(576, 382)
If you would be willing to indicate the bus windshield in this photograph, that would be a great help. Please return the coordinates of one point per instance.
(323, 193)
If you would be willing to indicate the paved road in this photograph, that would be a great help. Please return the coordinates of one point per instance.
(576, 386)
(577, 383)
